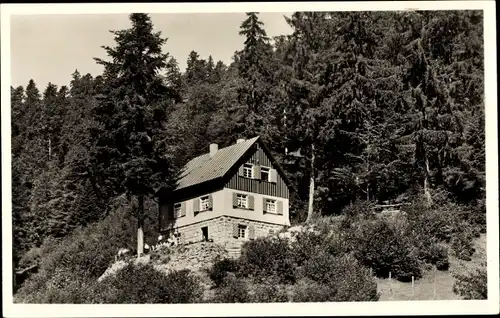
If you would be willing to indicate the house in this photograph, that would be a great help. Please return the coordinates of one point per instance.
(232, 194)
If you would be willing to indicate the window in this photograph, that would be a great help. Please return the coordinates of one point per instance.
(242, 201)
(248, 171)
(177, 210)
(265, 174)
(242, 231)
(204, 233)
(270, 206)
(204, 203)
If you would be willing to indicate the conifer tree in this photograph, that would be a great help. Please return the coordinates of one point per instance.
(132, 139)
(255, 74)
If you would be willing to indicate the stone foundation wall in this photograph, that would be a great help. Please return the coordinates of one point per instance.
(220, 230)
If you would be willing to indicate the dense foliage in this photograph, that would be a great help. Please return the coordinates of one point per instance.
(379, 105)
(472, 285)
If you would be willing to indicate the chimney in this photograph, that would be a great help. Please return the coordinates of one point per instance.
(240, 140)
(213, 150)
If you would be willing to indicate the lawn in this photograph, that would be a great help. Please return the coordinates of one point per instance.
(434, 284)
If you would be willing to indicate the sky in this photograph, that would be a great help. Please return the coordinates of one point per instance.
(48, 48)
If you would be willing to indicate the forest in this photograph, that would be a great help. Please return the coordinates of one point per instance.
(360, 107)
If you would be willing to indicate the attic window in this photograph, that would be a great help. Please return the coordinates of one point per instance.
(265, 174)
(247, 171)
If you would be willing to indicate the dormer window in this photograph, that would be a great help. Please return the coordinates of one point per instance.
(248, 170)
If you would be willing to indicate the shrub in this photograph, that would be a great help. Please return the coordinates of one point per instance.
(221, 268)
(476, 215)
(472, 285)
(269, 293)
(267, 258)
(353, 281)
(435, 254)
(60, 287)
(232, 290)
(345, 278)
(462, 243)
(310, 291)
(145, 285)
(381, 247)
(355, 212)
(321, 268)
(305, 245)
(438, 222)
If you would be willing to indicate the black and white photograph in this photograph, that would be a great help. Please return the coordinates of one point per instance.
(333, 156)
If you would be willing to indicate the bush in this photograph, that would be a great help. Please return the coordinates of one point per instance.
(357, 211)
(221, 268)
(267, 258)
(305, 245)
(269, 293)
(232, 290)
(321, 268)
(142, 284)
(472, 285)
(439, 222)
(344, 277)
(310, 291)
(476, 215)
(462, 244)
(352, 281)
(435, 254)
(60, 287)
(384, 249)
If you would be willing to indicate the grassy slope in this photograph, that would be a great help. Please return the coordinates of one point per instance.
(425, 288)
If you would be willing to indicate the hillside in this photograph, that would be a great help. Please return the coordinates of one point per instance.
(200, 257)
(434, 285)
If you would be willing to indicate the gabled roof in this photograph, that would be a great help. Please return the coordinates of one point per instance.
(203, 168)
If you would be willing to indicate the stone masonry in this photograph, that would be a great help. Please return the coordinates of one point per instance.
(220, 230)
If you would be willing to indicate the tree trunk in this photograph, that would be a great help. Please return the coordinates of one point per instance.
(368, 191)
(140, 225)
(427, 190)
(311, 187)
(50, 148)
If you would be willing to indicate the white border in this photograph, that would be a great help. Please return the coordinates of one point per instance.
(206, 310)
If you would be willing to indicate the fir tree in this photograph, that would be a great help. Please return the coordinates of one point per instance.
(133, 140)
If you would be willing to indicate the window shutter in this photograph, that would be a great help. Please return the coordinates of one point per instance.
(210, 202)
(279, 207)
(273, 175)
(251, 232)
(240, 171)
(196, 205)
(183, 209)
(235, 200)
(256, 172)
(264, 205)
(235, 230)
(250, 202)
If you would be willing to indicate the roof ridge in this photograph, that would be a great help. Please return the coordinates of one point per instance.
(232, 145)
